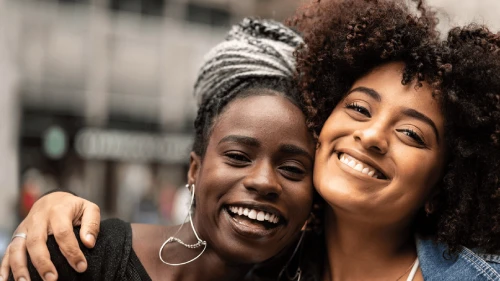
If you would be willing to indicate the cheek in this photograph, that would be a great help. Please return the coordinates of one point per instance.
(300, 204)
(304, 198)
(328, 127)
(214, 181)
(337, 125)
(419, 171)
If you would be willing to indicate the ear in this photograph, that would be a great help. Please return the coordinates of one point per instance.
(194, 167)
(308, 223)
(305, 226)
(433, 201)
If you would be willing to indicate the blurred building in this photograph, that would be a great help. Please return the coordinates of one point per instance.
(96, 95)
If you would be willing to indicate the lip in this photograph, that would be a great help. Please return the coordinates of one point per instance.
(363, 158)
(250, 232)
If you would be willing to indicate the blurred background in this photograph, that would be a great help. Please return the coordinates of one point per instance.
(96, 97)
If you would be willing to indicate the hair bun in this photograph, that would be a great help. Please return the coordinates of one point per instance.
(252, 49)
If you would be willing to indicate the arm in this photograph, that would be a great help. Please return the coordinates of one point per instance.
(55, 213)
(107, 260)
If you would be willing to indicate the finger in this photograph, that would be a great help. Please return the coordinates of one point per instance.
(91, 219)
(4, 266)
(18, 259)
(62, 227)
(36, 244)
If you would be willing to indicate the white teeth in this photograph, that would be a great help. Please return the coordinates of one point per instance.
(260, 216)
(358, 166)
(254, 214)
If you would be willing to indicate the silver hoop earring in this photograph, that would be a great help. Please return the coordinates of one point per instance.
(173, 239)
(298, 272)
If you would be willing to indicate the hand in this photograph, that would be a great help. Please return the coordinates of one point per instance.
(55, 213)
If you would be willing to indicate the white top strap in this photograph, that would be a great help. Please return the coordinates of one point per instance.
(413, 271)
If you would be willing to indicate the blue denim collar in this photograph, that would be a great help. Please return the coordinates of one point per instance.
(436, 264)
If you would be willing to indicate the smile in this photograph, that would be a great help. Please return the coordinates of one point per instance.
(360, 166)
(254, 218)
(254, 214)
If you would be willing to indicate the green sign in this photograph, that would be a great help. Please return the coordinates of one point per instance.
(55, 142)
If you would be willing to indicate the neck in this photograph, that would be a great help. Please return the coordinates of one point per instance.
(359, 250)
(209, 266)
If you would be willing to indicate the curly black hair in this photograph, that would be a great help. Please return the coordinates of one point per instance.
(468, 211)
(347, 39)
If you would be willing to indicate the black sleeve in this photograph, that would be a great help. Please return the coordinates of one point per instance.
(57, 190)
(106, 261)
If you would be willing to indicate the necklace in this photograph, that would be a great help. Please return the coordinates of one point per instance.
(409, 268)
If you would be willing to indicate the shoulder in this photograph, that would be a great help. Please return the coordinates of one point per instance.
(437, 264)
(114, 233)
(106, 261)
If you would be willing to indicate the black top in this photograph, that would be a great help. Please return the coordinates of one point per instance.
(112, 257)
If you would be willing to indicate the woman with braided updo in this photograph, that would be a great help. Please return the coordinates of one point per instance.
(250, 176)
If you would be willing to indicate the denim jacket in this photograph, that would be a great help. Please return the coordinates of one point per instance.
(468, 265)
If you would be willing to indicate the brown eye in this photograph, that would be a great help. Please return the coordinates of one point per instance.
(412, 134)
(238, 158)
(358, 108)
(292, 172)
(292, 169)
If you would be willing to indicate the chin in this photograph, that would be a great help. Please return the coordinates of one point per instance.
(242, 255)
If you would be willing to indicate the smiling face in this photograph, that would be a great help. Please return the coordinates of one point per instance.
(381, 150)
(254, 184)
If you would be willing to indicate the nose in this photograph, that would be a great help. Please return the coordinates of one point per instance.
(374, 137)
(263, 180)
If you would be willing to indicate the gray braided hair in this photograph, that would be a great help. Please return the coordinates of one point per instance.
(255, 54)
(252, 49)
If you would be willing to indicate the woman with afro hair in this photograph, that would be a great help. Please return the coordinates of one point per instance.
(407, 155)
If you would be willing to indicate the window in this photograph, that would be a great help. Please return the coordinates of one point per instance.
(145, 7)
(208, 15)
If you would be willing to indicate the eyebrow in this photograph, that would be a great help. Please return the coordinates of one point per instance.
(295, 150)
(285, 148)
(241, 139)
(371, 92)
(406, 111)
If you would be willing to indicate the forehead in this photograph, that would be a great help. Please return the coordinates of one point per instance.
(268, 117)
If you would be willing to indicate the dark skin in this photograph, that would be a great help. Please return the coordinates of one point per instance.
(237, 171)
(260, 159)
(260, 153)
